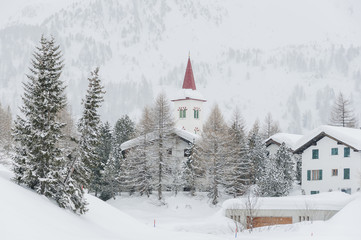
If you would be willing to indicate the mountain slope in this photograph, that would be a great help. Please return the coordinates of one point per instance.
(288, 58)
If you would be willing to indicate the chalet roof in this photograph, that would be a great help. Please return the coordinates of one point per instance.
(323, 201)
(183, 134)
(350, 137)
(188, 82)
(289, 139)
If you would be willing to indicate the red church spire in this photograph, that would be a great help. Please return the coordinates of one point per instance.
(188, 82)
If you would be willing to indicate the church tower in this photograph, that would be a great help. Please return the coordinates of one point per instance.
(188, 104)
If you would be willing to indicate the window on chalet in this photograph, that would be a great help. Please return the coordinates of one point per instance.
(334, 172)
(346, 173)
(315, 154)
(315, 192)
(169, 151)
(334, 151)
(346, 152)
(316, 175)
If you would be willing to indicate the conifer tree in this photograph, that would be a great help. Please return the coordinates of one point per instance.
(270, 127)
(140, 176)
(239, 165)
(257, 153)
(342, 113)
(39, 161)
(103, 151)
(215, 152)
(284, 161)
(124, 130)
(89, 129)
(192, 170)
(271, 181)
(163, 128)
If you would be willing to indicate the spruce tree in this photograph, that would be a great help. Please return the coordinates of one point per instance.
(124, 130)
(257, 153)
(284, 161)
(89, 129)
(39, 161)
(103, 151)
(214, 150)
(192, 170)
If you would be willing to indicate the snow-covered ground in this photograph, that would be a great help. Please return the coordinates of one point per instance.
(27, 215)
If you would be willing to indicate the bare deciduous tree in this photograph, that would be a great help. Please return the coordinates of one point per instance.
(342, 113)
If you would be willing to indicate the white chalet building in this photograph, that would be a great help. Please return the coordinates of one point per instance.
(331, 160)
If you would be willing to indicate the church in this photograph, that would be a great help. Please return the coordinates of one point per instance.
(188, 117)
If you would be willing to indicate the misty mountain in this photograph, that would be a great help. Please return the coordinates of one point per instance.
(290, 58)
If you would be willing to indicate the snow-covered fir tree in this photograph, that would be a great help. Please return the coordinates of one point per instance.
(111, 178)
(284, 161)
(214, 148)
(124, 130)
(162, 128)
(238, 165)
(39, 161)
(271, 180)
(89, 129)
(192, 171)
(278, 174)
(103, 151)
(256, 152)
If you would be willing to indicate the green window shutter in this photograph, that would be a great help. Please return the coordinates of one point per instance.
(319, 174)
(346, 173)
(180, 113)
(308, 175)
(197, 113)
(315, 154)
(194, 111)
(184, 113)
(346, 152)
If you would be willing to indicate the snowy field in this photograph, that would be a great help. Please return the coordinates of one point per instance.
(26, 215)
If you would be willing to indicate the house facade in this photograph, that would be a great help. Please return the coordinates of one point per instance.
(331, 160)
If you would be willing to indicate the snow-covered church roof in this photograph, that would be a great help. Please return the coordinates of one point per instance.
(289, 139)
(348, 136)
(187, 136)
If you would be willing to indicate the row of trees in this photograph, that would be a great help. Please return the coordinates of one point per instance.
(49, 157)
(226, 160)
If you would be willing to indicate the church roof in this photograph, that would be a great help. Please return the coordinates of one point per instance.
(188, 82)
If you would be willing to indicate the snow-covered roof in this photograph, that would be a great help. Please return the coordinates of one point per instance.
(322, 201)
(188, 94)
(289, 139)
(190, 137)
(348, 136)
